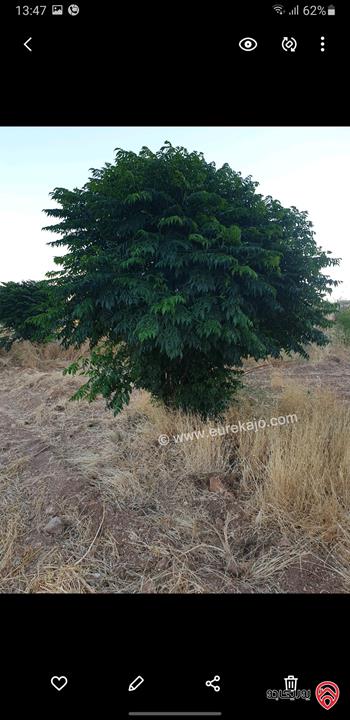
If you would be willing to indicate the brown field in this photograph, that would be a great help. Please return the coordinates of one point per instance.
(265, 511)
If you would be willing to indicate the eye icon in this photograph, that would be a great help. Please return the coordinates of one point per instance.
(248, 44)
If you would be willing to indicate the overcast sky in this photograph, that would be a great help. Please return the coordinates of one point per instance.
(305, 167)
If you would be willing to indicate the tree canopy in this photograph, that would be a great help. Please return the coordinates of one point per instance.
(176, 271)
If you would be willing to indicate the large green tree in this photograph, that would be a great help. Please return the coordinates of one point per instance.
(176, 271)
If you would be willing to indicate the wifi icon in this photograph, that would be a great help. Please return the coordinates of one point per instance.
(279, 9)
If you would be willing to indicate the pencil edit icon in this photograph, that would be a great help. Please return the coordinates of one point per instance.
(136, 683)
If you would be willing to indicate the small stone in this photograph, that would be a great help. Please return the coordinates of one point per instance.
(216, 485)
(59, 408)
(55, 526)
(284, 542)
(163, 564)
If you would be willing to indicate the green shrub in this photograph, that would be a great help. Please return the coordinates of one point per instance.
(343, 324)
(26, 310)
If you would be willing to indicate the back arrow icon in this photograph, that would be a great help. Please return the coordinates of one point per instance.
(26, 44)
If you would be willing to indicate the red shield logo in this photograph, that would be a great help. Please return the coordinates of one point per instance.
(327, 694)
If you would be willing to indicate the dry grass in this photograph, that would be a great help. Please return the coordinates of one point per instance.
(232, 513)
(300, 475)
(42, 357)
(335, 348)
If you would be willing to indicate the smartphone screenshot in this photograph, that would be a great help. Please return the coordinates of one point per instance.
(175, 360)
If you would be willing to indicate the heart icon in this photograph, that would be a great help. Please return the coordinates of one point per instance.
(327, 694)
(59, 682)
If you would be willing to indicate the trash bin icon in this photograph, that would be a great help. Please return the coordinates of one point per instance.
(291, 682)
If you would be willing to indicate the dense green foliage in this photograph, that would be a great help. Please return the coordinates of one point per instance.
(343, 323)
(26, 312)
(175, 271)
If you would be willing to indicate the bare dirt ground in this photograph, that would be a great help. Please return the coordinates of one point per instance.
(92, 503)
